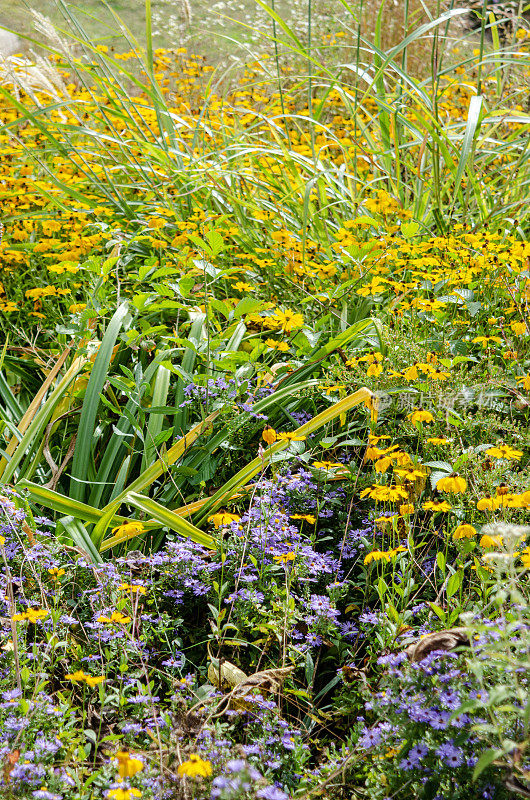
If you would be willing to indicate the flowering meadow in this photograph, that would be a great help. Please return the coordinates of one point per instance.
(265, 402)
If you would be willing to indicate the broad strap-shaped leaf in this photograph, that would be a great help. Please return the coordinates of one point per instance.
(246, 474)
(83, 449)
(165, 517)
(160, 466)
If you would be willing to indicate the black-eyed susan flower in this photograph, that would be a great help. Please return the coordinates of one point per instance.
(506, 452)
(486, 340)
(420, 415)
(464, 531)
(437, 505)
(128, 765)
(452, 483)
(288, 436)
(488, 503)
(128, 529)
(223, 518)
(195, 767)
(115, 618)
(269, 435)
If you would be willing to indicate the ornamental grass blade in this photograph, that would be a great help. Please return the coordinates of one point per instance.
(246, 474)
(466, 152)
(165, 517)
(33, 435)
(79, 476)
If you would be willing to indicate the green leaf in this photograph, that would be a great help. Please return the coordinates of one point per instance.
(79, 480)
(454, 583)
(167, 518)
(246, 474)
(156, 421)
(66, 505)
(486, 758)
(76, 531)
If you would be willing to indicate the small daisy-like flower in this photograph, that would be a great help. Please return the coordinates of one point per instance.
(437, 440)
(488, 503)
(290, 437)
(437, 505)
(505, 451)
(128, 765)
(490, 541)
(464, 531)
(420, 415)
(269, 435)
(452, 483)
(223, 518)
(195, 767)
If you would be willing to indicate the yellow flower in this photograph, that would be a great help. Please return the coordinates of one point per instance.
(525, 557)
(485, 340)
(490, 541)
(384, 494)
(290, 437)
(123, 794)
(131, 587)
(438, 375)
(269, 435)
(406, 508)
(441, 505)
(307, 517)
(128, 765)
(223, 518)
(195, 767)
(505, 451)
(288, 320)
(524, 380)
(31, 615)
(326, 464)
(129, 529)
(282, 347)
(56, 573)
(382, 464)
(78, 676)
(519, 328)
(383, 555)
(94, 680)
(284, 558)
(376, 555)
(452, 483)
(374, 370)
(116, 616)
(420, 415)
(488, 503)
(464, 531)
(436, 440)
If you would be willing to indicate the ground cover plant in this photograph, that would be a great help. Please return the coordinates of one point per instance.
(264, 400)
